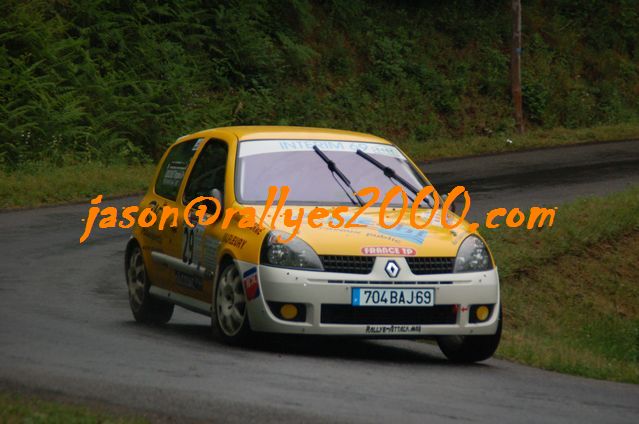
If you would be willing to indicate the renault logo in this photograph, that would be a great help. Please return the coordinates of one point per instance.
(392, 269)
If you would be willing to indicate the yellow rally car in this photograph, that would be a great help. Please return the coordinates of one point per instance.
(366, 281)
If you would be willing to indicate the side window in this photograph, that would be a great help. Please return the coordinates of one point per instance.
(208, 172)
(173, 169)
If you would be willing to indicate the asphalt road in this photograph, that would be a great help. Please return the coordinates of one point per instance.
(66, 329)
(546, 177)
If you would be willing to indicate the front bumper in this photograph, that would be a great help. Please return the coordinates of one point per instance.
(326, 297)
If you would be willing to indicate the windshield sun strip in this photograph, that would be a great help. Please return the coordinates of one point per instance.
(238, 198)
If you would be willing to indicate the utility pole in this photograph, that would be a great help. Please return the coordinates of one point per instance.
(515, 66)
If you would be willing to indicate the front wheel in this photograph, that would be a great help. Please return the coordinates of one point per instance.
(466, 349)
(229, 317)
(145, 308)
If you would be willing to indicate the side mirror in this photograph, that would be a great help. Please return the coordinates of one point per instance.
(452, 208)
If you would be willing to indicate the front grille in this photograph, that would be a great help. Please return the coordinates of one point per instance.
(392, 315)
(364, 264)
(431, 265)
(348, 264)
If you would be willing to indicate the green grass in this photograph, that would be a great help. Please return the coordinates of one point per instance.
(570, 294)
(45, 184)
(27, 409)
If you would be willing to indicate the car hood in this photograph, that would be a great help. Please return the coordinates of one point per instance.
(371, 238)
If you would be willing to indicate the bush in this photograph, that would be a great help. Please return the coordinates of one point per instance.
(116, 81)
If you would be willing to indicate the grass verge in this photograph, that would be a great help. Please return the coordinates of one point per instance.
(570, 294)
(46, 184)
(27, 409)
(539, 138)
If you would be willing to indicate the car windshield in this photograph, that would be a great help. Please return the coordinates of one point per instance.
(294, 163)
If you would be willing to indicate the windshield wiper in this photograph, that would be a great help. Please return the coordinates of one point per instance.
(391, 174)
(336, 171)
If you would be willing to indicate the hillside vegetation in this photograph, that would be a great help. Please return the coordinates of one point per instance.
(115, 81)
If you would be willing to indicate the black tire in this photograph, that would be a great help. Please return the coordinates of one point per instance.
(467, 349)
(145, 308)
(229, 316)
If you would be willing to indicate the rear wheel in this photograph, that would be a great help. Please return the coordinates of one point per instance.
(466, 349)
(229, 317)
(145, 308)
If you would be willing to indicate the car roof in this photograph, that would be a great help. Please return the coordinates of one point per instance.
(241, 133)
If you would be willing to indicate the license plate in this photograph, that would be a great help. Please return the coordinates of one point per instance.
(364, 296)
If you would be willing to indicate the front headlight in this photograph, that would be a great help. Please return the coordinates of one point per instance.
(472, 256)
(294, 254)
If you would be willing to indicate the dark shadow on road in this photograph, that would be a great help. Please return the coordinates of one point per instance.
(358, 349)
